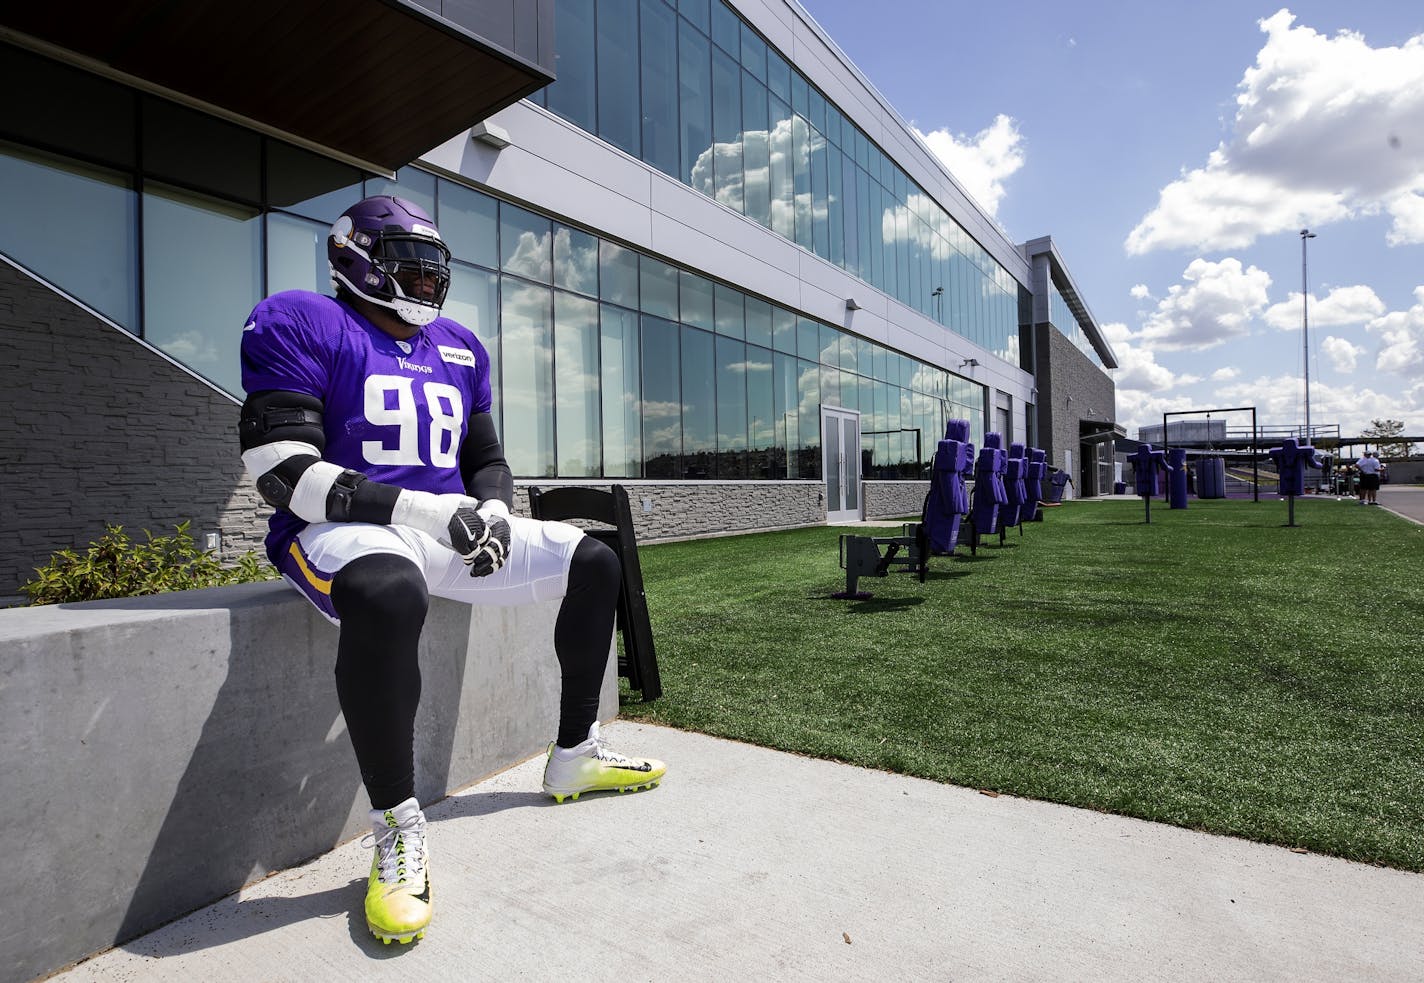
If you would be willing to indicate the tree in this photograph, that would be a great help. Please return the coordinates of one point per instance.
(1384, 429)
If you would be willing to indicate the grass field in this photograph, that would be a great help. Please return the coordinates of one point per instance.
(1214, 669)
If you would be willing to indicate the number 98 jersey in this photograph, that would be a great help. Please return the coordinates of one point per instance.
(394, 410)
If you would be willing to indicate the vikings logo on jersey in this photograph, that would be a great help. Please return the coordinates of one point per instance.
(395, 411)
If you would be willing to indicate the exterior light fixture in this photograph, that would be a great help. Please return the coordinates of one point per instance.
(971, 362)
(490, 135)
(851, 305)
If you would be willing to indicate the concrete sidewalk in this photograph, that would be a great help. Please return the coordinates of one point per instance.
(750, 864)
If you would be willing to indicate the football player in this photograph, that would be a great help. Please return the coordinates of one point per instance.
(367, 427)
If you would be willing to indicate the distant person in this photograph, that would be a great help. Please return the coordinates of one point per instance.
(1369, 467)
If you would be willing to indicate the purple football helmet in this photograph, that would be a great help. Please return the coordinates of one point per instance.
(387, 250)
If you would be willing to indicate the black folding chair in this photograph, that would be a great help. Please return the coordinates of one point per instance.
(638, 662)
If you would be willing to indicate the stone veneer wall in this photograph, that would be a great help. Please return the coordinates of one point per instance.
(893, 499)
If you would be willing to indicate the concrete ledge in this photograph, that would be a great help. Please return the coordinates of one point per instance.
(161, 752)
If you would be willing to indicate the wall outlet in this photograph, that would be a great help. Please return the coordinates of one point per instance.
(647, 505)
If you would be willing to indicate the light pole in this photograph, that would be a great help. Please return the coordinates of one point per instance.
(938, 294)
(1305, 234)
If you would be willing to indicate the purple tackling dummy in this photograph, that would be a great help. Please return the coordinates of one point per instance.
(1145, 462)
(1033, 484)
(988, 485)
(1177, 479)
(1015, 492)
(1291, 460)
(948, 499)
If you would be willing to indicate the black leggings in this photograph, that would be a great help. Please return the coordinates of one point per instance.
(382, 601)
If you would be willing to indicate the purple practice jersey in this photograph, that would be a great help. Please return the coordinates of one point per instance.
(394, 410)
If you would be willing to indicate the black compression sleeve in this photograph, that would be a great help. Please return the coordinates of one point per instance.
(483, 468)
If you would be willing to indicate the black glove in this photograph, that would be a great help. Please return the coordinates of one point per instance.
(483, 540)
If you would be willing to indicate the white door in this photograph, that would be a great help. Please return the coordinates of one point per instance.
(840, 460)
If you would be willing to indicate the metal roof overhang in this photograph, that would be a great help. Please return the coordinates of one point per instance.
(1092, 432)
(374, 82)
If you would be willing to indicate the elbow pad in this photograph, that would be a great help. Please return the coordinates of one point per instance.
(319, 491)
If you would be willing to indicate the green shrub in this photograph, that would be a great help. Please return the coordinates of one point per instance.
(117, 566)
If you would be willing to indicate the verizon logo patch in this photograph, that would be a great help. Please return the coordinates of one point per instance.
(457, 356)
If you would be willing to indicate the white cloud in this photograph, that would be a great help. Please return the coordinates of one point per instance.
(1216, 303)
(1401, 336)
(1342, 353)
(1326, 128)
(1137, 408)
(1280, 399)
(1225, 374)
(1341, 306)
(1140, 292)
(980, 163)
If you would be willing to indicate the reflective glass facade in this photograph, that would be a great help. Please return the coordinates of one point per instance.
(607, 362)
(1061, 316)
(727, 114)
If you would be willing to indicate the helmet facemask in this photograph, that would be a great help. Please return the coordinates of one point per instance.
(404, 268)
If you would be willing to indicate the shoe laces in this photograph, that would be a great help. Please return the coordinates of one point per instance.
(598, 749)
(400, 851)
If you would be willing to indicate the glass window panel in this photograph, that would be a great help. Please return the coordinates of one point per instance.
(68, 109)
(578, 405)
(575, 260)
(694, 86)
(820, 227)
(831, 386)
(780, 172)
(184, 145)
(808, 339)
(308, 184)
(800, 94)
(753, 53)
(697, 294)
(726, 28)
(662, 399)
(469, 224)
(830, 351)
(296, 254)
(783, 330)
(699, 405)
(619, 115)
(778, 76)
(622, 384)
(528, 377)
(659, 82)
(190, 302)
(756, 149)
(786, 402)
(474, 302)
(618, 274)
(659, 288)
(817, 115)
(727, 128)
(572, 94)
(833, 124)
(758, 322)
(731, 408)
(850, 216)
(763, 459)
(731, 314)
(801, 179)
(835, 213)
(696, 12)
(526, 242)
(90, 218)
(808, 445)
(411, 184)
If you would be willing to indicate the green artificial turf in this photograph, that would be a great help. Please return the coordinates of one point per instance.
(1214, 669)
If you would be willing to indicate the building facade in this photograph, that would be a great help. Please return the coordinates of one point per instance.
(709, 261)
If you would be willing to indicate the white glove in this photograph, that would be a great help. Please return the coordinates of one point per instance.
(476, 530)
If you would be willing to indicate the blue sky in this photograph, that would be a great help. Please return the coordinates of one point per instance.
(1174, 152)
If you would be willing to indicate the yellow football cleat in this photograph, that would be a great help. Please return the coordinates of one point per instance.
(398, 891)
(594, 767)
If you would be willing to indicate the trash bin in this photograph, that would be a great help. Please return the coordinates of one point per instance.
(1119, 488)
